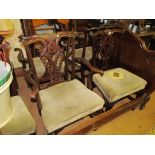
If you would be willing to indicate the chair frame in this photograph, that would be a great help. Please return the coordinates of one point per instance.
(50, 54)
(123, 46)
(142, 97)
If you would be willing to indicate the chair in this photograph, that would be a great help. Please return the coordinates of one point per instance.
(80, 51)
(96, 47)
(21, 121)
(60, 102)
(15, 118)
(129, 73)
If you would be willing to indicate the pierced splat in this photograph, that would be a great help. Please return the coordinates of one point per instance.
(51, 55)
(102, 44)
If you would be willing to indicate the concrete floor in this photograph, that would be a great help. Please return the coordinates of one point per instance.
(130, 123)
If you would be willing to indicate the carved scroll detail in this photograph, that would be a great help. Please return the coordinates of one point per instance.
(51, 54)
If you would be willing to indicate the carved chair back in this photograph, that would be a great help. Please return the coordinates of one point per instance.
(103, 44)
(53, 57)
(121, 48)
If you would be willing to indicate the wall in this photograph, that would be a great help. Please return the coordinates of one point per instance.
(14, 43)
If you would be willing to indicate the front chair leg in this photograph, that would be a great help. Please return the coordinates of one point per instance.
(82, 74)
(89, 82)
(146, 98)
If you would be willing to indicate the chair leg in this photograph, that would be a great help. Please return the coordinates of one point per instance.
(39, 105)
(89, 82)
(82, 74)
(145, 101)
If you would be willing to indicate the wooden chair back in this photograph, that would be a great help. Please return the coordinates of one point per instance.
(136, 57)
(51, 55)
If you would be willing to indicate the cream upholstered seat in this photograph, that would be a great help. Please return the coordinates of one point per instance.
(21, 121)
(118, 83)
(67, 102)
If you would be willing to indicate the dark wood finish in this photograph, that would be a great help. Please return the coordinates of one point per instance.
(4, 56)
(137, 58)
(49, 47)
(102, 44)
(128, 51)
(27, 27)
(52, 56)
(19, 71)
(124, 50)
(101, 40)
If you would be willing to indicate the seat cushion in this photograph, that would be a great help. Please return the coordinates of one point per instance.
(118, 83)
(67, 102)
(21, 121)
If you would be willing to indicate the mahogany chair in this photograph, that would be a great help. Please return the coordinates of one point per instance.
(94, 38)
(128, 73)
(60, 102)
(33, 60)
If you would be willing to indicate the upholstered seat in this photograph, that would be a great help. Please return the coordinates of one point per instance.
(21, 121)
(118, 83)
(67, 102)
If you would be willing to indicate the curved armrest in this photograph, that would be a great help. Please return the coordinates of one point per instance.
(33, 95)
(35, 89)
(21, 58)
(88, 65)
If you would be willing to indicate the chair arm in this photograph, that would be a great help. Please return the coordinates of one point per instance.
(35, 89)
(21, 57)
(88, 65)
